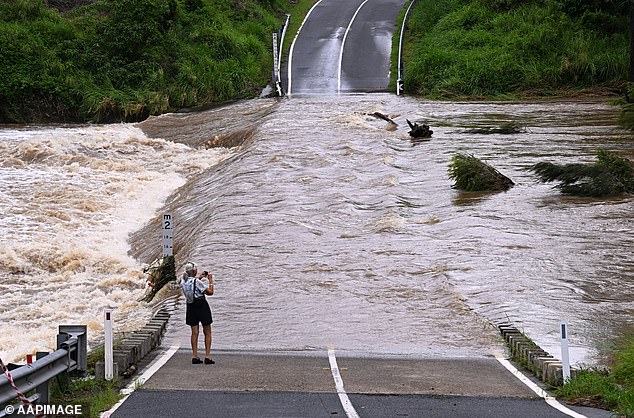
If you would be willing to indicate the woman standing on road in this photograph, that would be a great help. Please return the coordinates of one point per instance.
(198, 311)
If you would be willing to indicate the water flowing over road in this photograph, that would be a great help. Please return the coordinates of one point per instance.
(327, 230)
(323, 228)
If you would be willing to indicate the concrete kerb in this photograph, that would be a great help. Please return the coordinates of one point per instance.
(145, 339)
(143, 346)
(523, 350)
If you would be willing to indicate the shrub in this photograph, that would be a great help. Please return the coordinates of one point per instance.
(609, 175)
(472, 175)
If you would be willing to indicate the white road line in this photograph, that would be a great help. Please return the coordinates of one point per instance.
(343, 398)
(142, 378)
(290, 52)
(539, 391)
(343, 44)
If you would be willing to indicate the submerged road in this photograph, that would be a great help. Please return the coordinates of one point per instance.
(343, 46)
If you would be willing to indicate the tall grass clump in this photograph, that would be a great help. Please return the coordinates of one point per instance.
(511, 47)
(115, 60)
(473, 175)
(609, 175)
(611, 388)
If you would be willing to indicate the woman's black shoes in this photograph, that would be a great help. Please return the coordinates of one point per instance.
(196, 360)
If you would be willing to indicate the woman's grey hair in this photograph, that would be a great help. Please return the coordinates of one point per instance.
(190, 267)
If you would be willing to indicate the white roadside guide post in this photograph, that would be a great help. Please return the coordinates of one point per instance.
(565, 357)
(168, 240)
(108, 358)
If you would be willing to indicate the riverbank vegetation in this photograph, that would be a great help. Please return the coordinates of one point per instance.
(113, 60)
(471, 174)
(611, 389)
(515, 48)
(610, 175)
(94, 395)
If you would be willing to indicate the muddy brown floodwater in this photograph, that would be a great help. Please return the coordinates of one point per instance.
(327, 230)
(323, 228)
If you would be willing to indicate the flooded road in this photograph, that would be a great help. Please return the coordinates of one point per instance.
(324, 229)
(329, 230)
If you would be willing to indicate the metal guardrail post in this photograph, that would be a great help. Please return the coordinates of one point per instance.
(400, 82)
(73, 339)
(43, 390)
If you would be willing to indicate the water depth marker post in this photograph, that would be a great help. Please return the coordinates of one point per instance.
(168, 241)
(565, 356)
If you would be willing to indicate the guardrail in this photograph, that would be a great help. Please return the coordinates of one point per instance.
(400, 82)
(278, 42)
(71, 355)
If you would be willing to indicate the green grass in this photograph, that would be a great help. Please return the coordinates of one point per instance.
(127, 59)
(497, 48)
(94, 396)
(612, 388)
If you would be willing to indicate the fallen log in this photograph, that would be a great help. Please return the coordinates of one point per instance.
(419, 131)
(380, 115)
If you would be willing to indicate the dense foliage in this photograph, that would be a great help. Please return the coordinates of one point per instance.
(609, 175)
(515, 47)
(127, 59)
(473, 175)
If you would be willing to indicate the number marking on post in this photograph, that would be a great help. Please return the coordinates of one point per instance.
(167, 235)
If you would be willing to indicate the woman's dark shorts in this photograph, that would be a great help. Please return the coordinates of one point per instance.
(198, 311)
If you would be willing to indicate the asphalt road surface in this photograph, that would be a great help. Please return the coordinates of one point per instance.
(343, 46)
(250, 384)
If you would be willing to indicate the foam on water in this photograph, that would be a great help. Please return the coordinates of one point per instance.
(70, 197)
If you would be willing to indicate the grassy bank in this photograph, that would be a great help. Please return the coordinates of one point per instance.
(127, 59)
(94, 395)
(514, 48)
(611, 389)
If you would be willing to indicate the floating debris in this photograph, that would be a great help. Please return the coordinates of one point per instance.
(419, 131)
(391, 125)
(159, 273)
(504, 129)
(473, 175)
(609, 175)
